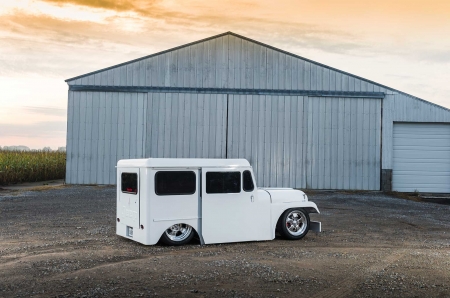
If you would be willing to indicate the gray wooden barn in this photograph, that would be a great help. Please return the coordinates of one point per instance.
(300, 123)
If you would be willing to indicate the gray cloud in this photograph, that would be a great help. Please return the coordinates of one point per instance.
(35, 130)
(47, 111)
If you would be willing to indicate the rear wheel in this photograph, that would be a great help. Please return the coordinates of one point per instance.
(178, 234)
(294, 224)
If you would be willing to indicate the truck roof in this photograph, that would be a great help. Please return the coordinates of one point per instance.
(182, 162)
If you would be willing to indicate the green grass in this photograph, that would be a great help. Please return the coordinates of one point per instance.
(32, 166)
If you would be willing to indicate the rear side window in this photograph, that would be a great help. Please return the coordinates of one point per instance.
(248, 181)
(223, 182)
(175, 183)
(129, 183)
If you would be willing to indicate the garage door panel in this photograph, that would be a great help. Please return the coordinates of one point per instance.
(419, 167)
(428, 155)
(421, 157)
(439, 142)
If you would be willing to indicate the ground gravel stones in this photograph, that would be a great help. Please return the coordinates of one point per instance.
(61, 242)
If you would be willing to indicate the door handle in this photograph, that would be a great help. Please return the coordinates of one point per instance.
(252, 198)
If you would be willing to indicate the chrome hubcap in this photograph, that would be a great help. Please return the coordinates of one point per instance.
(178, 232)
(296, 223)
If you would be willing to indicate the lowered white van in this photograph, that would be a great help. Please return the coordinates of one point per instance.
(170, 200)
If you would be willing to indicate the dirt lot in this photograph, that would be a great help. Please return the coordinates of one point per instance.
(61, 242)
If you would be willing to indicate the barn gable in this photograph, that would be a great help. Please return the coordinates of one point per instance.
(227, 61)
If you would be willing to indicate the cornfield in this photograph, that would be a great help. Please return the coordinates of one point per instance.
(31, 166)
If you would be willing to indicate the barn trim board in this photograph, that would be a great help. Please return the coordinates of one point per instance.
(182, 103)
(227, 91)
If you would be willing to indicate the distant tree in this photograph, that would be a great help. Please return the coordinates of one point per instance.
(47, 149)
(16, 148)
(61, 149)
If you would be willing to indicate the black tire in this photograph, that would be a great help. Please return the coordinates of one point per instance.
(287, 224)
(178, 234)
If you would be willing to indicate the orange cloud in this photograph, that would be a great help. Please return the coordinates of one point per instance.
(117, 5)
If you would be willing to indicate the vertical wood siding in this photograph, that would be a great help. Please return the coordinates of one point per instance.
(226, 62)
(290, 140)
(307, 142)
(186, 125)
(98, 135)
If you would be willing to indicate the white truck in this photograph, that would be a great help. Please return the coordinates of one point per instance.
(169, 200)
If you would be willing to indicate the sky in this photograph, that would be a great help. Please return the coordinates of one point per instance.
(404, 44)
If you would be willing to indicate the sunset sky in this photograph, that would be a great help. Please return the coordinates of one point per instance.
(404, 44)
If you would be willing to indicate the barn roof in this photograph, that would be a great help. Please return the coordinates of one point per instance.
(255, 42)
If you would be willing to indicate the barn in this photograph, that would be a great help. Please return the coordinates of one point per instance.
(300, 123)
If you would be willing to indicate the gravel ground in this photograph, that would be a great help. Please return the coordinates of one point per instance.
(61, 242)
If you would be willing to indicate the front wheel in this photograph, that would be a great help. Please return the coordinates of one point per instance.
(178, 234)
(293, 224)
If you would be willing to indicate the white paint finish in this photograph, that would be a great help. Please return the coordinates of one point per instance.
(150, 215)
(421, 157)
(128, 203)
(244, 207)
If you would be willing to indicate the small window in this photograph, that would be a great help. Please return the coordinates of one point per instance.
(129, 183)
(223, 182)
(175, 183)
(248, 181)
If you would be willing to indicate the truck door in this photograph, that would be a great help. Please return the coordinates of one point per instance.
(128, 198)
(228, 212)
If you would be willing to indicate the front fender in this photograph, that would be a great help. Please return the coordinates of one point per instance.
(279, 208)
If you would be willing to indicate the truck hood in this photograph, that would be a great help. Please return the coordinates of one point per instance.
(285, 195)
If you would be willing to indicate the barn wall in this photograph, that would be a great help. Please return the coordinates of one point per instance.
(307, 142)
(228, 62)
(103, 127)
(186, 125)
(399, 107)
(320, 151)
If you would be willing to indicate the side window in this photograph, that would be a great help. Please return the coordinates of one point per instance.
(129, 183)
(248, 181)
(175, 183)
(223, 182)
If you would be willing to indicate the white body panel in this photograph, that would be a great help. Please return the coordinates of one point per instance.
(234, 217)
(217, 218)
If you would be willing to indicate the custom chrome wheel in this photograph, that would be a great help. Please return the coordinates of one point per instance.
(296, 222)
(293, 224)
(178, 234)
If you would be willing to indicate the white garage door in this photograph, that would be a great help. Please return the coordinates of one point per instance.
(421, 157)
